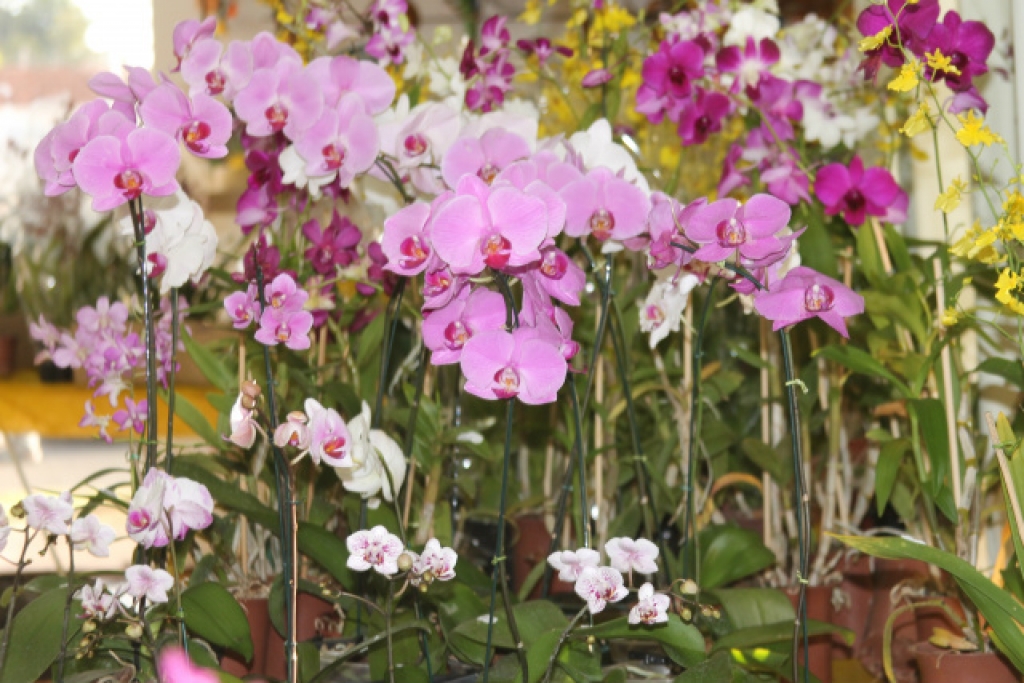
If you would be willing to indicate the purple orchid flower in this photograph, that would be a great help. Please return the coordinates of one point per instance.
(484, 227)
(668, 77)
(494, 34)
(596, 77)
(256, 208)
(284, 98)
(748, 64)
(915, 22)
(283, 294)
(605, 206)
(188, 32)
(543, 49)
(967, 99)
(202, 123)
(387, 12)
(726, 227)
(805, 293)
(519, 364)
(667, 223)
(701, 116)
(968, 44)
(446, 330)
(132, 415)
(333, 246)
(115, 170)
(375, 272)
(732, 176)
(388, 44)
(857, 193)
(780, 101)
(343, 141)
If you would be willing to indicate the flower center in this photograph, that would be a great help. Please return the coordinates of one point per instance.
(456, 335)
(335, 446)
(194, 134)
(139, 519)
(277, 117)
(215, 82)
(414, 253)
(702, 125)
(129, 182)
(818, 298)
(731, 233)
(553, 264)
(334, 156)
(415, 145)
(436, 283)
(855, 200)
(506, 382)
(655, 315)
(488, 173)
(496, 250)
(601, 224)
(283, 333)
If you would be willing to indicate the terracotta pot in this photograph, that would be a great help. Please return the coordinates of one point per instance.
(944, 666)
(931, 618)
(531, 547)
(851, 605)
(819, 608)
(314, 617)
(259, 624)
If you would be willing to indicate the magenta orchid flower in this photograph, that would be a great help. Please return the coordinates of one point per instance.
(332, 246)
(914, 21)
(605, 206)
(174, 666)
(628, 555)
(435, 562)
(187, 32)
(732, 177)
(668, 77)
(596, 77)
(284, 294)
(650, 608)
(376, 549)
(116, 170)
(570, 563)
(557, 275)
(446, 330)
(599, 586)
(726, 227)
(202, 123)
(146, 582)
(805, 293)
(441, 286)
(857, 193)
(484, 227)
(388, 44)
(284, 326)
(483, 157)
(748, 64)
(329, 438)
(343, 141)
(51, 514)
(968, 44)
(89, 533)
(284, 98)
(702, 115)
(519, 364)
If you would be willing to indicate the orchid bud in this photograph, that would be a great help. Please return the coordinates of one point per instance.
(88, 627)
(689, 587)
(134, 631)
(428, 577)
(18, 511)
(405, 562)
(250, 394)
(705, 612)
(686, 614)
(716, 614)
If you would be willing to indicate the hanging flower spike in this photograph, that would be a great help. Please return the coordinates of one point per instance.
(436, 563)
(376, 549)
(804, 293)
(628, 555)
(149, 583)
(51, 514)
(651, 607)
(726, 228)
(115, 170)
(88, 533)
(174, 666)
(857, 194)
(599, 586)
(329, 438)
(570, 563)
(499, 365)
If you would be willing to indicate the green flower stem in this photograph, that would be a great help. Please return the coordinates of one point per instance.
(561, 641)
(169, 450)
(696, 413)
(581, 466)
(182, 630)
(67, 612)
(387, 629)
(285, 511)
(391, 317)
(138, 223)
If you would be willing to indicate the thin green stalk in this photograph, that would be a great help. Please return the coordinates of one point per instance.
(696, 413)
(138, 223)
(169, 450)
(391, 317)
(182, 630)
(67, 612)
(387, 629)
(546, 678)
(285, 509)
(556, 536)
(581, 467)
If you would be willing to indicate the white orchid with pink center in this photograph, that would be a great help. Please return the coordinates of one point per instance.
(436, 563)
(599, 586)
(167, 507)
(146, 582)
(89, 533)
(377, 464)
(651, 607)
(51, 514)
(376, 549)
(571, 563)
(98, 601)
(628, 555)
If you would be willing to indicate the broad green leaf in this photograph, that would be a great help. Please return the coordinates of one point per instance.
(768, 459)
(860, 361)
(212, 367)
(890, 457)
(931, 416)
(214, 615)
(770, 634)
(885, 308)
(309, 661)
(329, 672)
(35, 638)
(1004, 614)
(748, 607)
(1010, 370)
(191, 416)
(680, 640)
(898, 250)
(869, 256)
(1013, 490)
(815, 245)
(532, 619)
(719, 668)
(729, 553)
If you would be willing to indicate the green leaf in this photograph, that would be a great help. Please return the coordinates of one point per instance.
(898, 250)
(869, 256)
(309, 661)
(767, 458)
(680, 640)
(591, 114)
(212, 367)
(1010, 370)
(191, 416)
(860, 361)
(890, 457)
(214, 615)
(719, 668)
(729, 553)
(931, 416)
(749, 607)
(532, 618)
(815, 246)
(782, 632)
(1004, 614)
(35, 638)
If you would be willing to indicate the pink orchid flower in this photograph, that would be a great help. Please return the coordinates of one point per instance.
(243, 307)
(187, 32)
(97, 602)
(174, 666)
(284, 98)
(484, 227)
(188, 504)
(435, 559)
(293, 432)
(605, 206)
(130, 91)
(89, 533)
(243, 425)
(440, 286)
(857, 193)
(341, 75)
(726, 227)
(651, 607)
(202, 123)
(145, 522)
(283, 326)
(132, 415)
(748, 64)
(483, 157)
(212, 69)
(406, 240)
(805, 293)
(628, 555)
(284, 294)
(55, 155)
(147, 582)
(499, 364)
(570, 563)
(51, 514)
(376, 549)
(599, 586)
(329, 438)
(343, 141)
(115, 170)
(446, 330)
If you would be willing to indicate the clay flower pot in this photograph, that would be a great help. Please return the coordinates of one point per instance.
(819, 608)
(531, 546)
(945, 666)
(259, 624)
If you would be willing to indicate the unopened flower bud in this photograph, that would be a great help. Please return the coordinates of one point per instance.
(250, 394)
(423, 587)
(89, 626)
(705, 612)
(134, 631)
(18, 511)
(687, 615)
(716, 613)
(689, 587)
(404, 562)
(428, 577)
(84, 643)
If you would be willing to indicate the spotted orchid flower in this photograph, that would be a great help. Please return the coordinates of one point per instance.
(435, 563)
(570, 563)
(599, 586)
(146, 582)
(376, 549)
(628, 555)
(51, 514)
(651, 607)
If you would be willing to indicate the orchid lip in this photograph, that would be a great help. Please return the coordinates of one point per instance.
(602, 223)
(819, 298)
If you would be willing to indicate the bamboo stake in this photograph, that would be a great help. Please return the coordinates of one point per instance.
(947, 385)
(599, 498)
